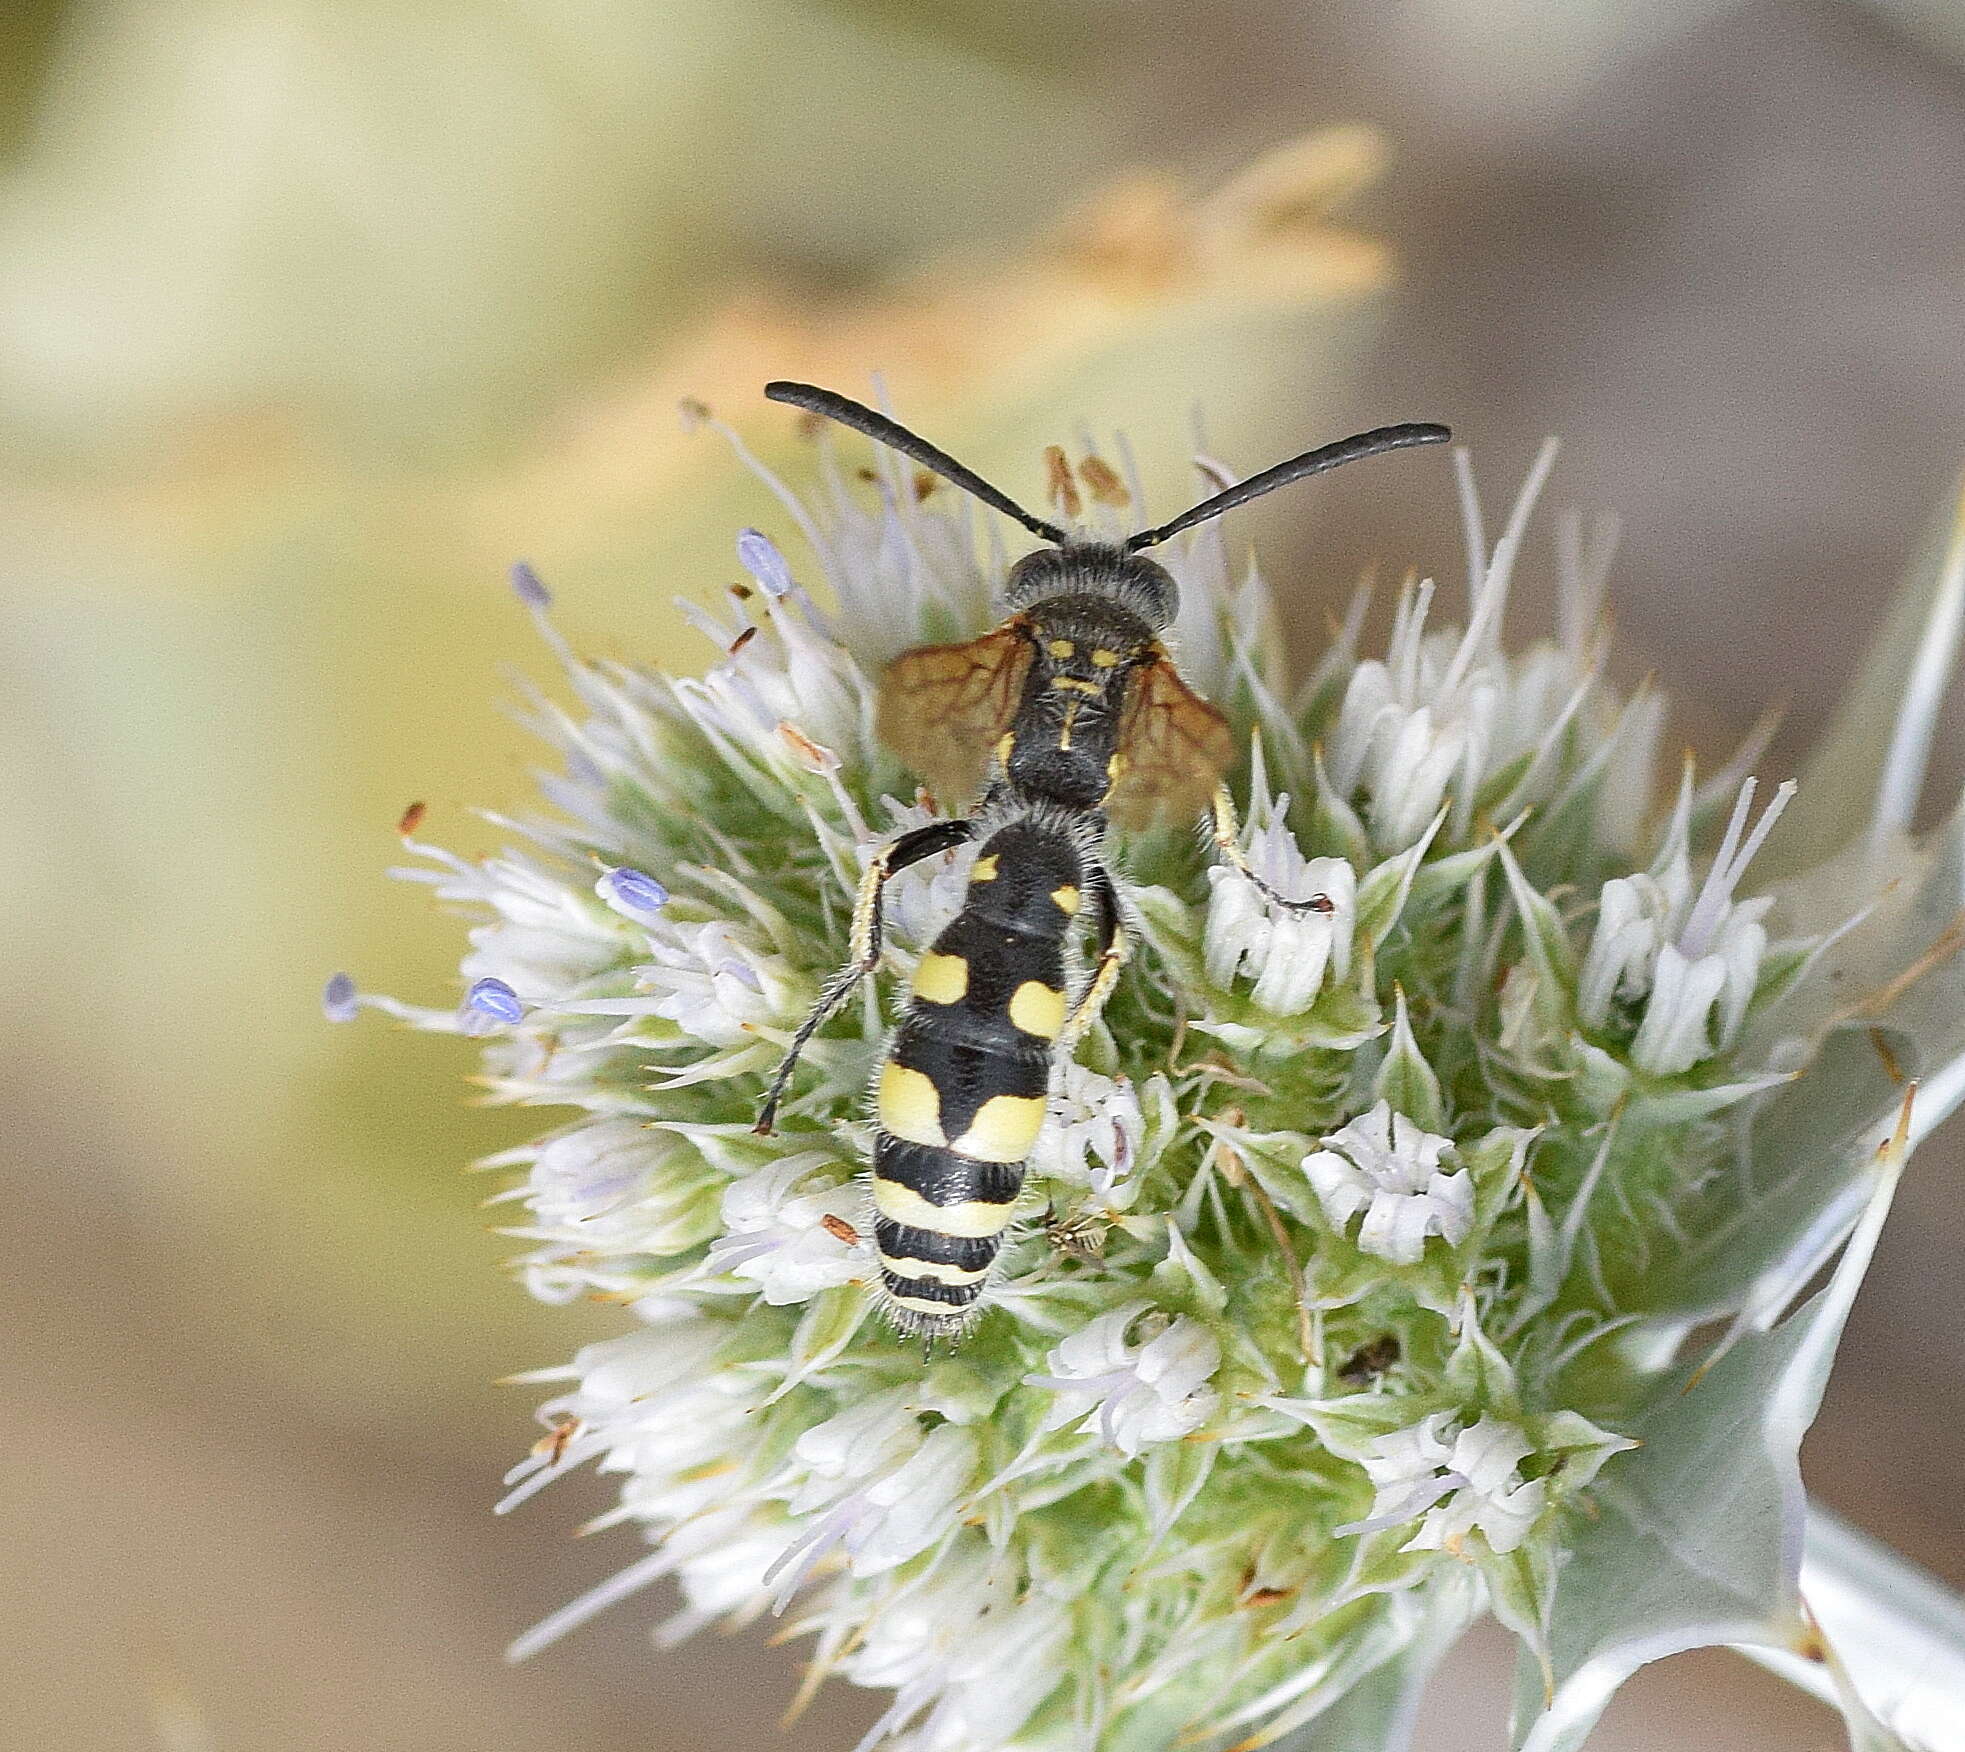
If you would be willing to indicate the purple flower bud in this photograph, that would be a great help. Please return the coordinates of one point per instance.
(492, 1000)
(527, 588)
(339, 1000)
(633, 892)
(758, 554)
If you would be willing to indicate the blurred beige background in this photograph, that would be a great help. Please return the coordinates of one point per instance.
(314, 313)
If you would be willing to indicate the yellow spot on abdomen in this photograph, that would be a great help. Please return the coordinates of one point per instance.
(1003, 1130)
(1038, 1009)
(941, 979)
(984, 869)
(968, 1221)
(1065, 899)
(910, 1105)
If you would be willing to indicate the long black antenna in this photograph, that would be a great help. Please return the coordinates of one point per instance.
(897, 437)
(1311, 462)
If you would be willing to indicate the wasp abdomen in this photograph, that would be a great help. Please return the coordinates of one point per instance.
(962, 1093)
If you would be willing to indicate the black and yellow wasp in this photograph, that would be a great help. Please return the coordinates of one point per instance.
(1068, 719)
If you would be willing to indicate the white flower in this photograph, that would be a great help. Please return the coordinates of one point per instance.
(1402, 756)
(1462, 1480)
(780, 667)
(654, 1403)
(1389, 1168)
(994, 1678)
(1136, 1393)
(872, 1484)
(1690, 959)
(779, 1239)
(1091, 1135)
(713, 982)
(608, 1188)
(965, 1659)
(1288, 953)
(921, 900)
(1444, 713)
(543, 937)
(590, 1180)
(901, 570)
(721, 1560)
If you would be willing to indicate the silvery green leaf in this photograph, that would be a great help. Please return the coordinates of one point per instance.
(1332, 1676)
(1895, 1631)
(824, 1331)
(1868, 771)
(1334, 824)
(1383, 891)
(1698, 1534)
(1405, 1079)
(1274, 1160)
(1174, 1474)
(1549, 947)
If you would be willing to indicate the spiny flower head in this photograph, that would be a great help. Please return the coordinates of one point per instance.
(1356, 1253)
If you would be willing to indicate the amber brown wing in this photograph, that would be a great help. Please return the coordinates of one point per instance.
(943, 708)
(1173, 749)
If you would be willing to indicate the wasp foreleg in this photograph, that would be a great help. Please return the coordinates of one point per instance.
(864, 944)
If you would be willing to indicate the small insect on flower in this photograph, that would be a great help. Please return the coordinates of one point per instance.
(1068, 719)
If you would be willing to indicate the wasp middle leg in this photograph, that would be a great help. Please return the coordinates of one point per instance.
(1225, 830)
(1114, 950)
(863, 954)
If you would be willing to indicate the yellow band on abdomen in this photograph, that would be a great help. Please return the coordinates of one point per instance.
(970, 1221)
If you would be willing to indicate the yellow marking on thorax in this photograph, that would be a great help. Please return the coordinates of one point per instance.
(967, 1220)
(910, 1106)
(1062, 649)
(1115, 770)
(1103, 659)
(1064, 730)
(1065, 899)
(1038, 1009)
(983, 869)
(1003, 1130)
(941, 979)
(1075, 684)
(1005, 748)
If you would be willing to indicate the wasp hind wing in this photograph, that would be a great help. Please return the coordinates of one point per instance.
(1173, 749)
(944, 708)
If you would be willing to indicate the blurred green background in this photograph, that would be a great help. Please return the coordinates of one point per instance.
(315, 313)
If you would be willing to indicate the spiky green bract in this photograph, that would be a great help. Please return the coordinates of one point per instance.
(1355, 1255)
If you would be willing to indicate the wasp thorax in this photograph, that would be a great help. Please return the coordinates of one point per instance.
(1095, 569)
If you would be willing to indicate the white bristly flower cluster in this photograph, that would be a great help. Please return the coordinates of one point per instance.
(1355, 1262)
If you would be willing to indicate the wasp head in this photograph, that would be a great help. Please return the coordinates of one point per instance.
(1095, 569)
